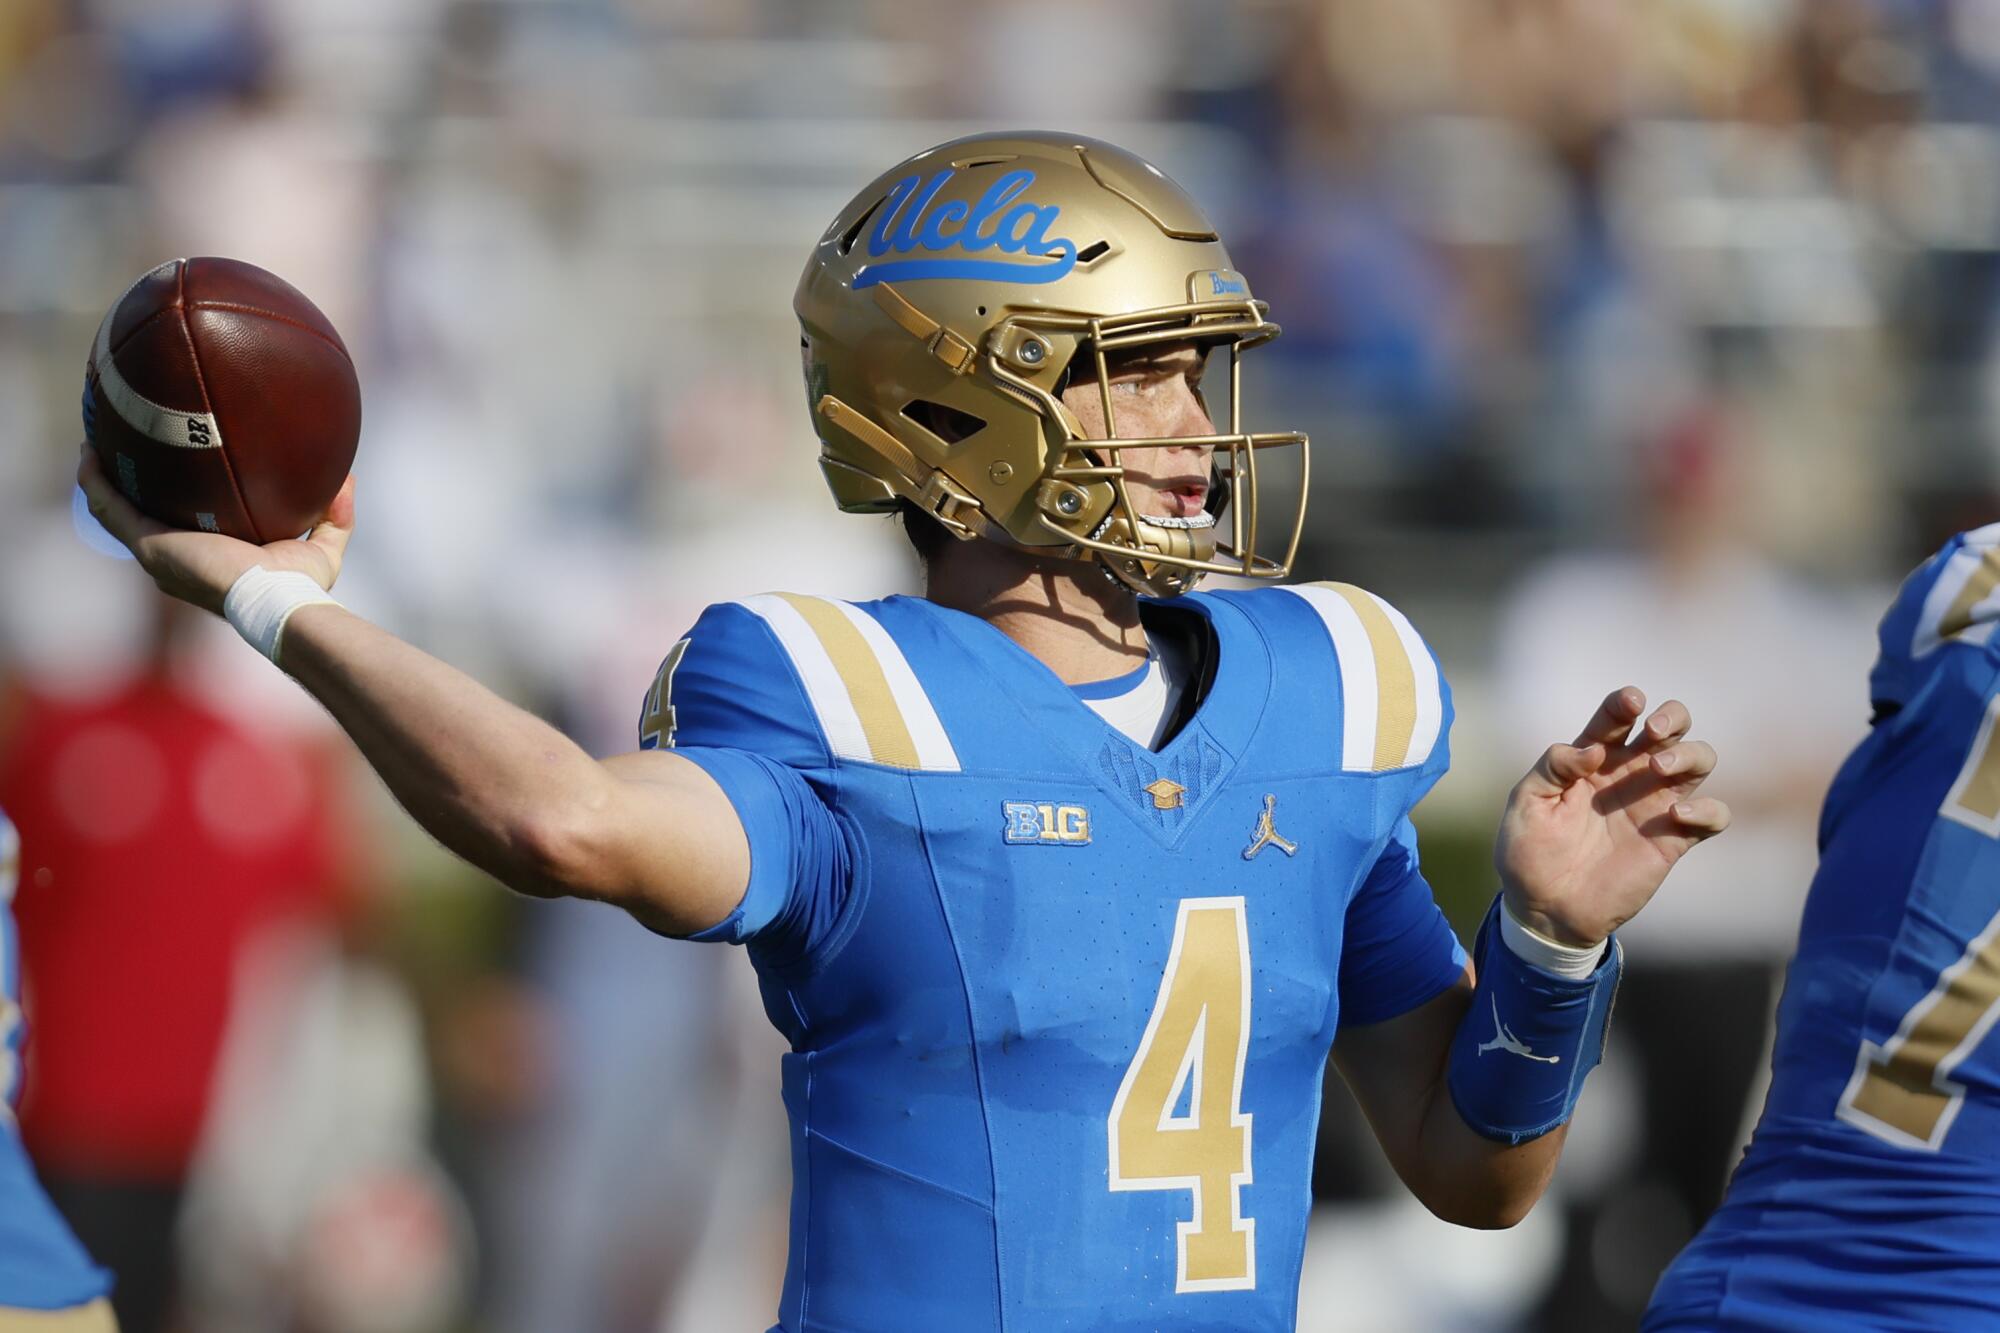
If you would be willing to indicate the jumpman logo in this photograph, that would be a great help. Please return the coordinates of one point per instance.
(1503, 1040)
(1267, 834)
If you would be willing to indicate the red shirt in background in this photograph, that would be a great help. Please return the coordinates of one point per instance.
(157, 836)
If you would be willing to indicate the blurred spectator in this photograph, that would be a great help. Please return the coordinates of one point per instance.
(314, 1204)
(1766, 664)
(159, 836)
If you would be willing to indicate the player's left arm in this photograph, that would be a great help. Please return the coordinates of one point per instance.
(1396, 1071)
(1470, 1092)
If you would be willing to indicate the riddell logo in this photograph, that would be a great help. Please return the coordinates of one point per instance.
(999, 220)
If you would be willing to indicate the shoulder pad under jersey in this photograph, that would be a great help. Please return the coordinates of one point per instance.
(1395, 706)
(807, 681)
(1954, 597)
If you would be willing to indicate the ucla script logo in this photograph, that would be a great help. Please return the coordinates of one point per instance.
(1001, 220)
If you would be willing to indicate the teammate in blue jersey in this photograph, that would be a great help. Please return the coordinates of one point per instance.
(1870, 1194)
(47, 1281)
(1064, 879)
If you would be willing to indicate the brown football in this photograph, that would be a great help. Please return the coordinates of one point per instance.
(217, 397)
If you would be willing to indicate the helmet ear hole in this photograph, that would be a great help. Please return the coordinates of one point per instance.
(853, 233)
(947, 423)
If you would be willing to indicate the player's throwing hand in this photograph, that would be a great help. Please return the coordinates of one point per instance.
(1594, 827)
(200, 567)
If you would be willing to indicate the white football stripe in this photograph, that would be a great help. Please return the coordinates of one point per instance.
(162, 425)
(824, 687)
(934, 749)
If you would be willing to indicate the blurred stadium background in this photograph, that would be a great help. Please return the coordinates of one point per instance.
(1642, 340)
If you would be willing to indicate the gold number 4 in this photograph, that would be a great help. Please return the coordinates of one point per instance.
(1195, 1044)
(1902, 1090)
(656, 726)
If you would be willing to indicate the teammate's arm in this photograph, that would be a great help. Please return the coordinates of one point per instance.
(650, 832)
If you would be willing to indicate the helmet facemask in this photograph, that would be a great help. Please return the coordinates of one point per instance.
(1085, 500)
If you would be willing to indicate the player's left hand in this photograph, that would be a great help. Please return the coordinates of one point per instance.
(1592, 830)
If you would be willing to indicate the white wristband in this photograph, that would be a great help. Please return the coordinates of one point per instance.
(1565, 960)
(262, 600)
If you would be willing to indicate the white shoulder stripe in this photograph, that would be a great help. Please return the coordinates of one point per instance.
(1392, 701)
(867, 699)
(1357, 673)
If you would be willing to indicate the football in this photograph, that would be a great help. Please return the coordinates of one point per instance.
(218, 397)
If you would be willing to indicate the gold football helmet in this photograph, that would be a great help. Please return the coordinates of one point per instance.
(950, 303)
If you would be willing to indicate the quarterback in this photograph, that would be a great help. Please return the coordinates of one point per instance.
(1870, 1194)
(1062, 880)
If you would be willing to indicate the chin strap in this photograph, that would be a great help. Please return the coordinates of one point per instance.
(1189, 537)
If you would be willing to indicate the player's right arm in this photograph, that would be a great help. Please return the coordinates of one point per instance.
(651, 832)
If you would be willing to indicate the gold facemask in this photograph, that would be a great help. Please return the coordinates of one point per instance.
(951, 301)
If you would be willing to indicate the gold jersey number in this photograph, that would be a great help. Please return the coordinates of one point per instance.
(656, 721)
(1902, 1090)
(1192, 1053)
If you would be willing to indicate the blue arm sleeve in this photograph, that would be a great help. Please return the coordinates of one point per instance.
(799, 857)
(1399, 951)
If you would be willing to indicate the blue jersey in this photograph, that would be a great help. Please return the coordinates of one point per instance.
(41, 1265)
(1058, 1004)
(1870, 1194)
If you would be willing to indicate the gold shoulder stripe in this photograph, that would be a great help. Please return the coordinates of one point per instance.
(1976, 590)
(888, 736)
(1395, 680)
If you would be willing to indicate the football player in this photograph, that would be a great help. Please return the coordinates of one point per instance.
(47, 1282)
(1870, 1193)
(1062, 880)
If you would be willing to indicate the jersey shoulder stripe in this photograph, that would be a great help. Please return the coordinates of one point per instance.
(1953, 598)
(868, 701)
(1392, 698)
(1964, 602)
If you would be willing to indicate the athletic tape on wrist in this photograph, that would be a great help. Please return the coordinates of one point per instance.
(1519, 1060)
(260, 602)
(1537, 950)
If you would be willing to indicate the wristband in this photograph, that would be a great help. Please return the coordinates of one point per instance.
(1520, 1056)
(262, 600)
(1538, 950)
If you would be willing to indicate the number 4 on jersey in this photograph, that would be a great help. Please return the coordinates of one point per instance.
(656, 724)
(1194, 1047)
(1902, 1090)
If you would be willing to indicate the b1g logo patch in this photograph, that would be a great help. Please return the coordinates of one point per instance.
(1045, 823)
